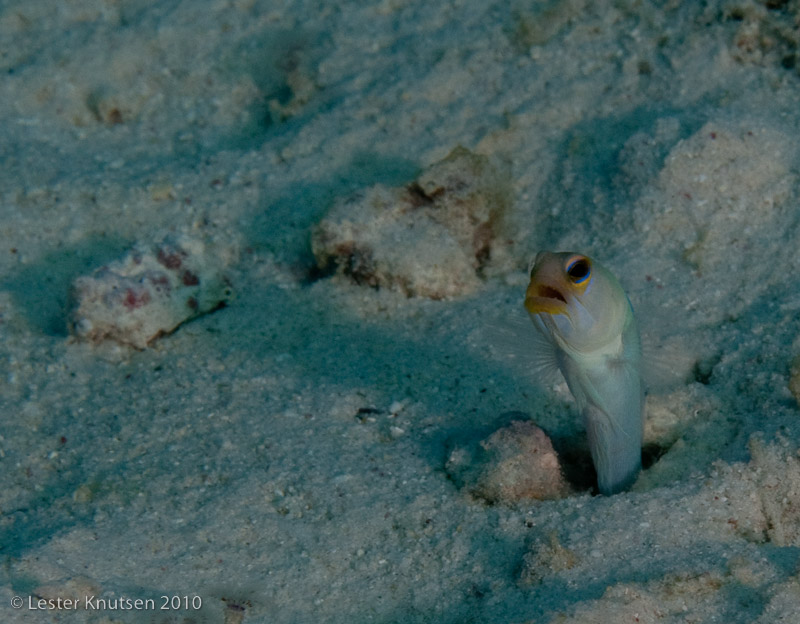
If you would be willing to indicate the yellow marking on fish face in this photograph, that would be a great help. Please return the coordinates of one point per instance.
(555, 279)
(580, 302)
(543, 299)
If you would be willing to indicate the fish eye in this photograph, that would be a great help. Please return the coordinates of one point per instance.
(579, 270)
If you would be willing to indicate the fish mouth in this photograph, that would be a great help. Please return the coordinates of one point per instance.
(548, 292)
(541, 298)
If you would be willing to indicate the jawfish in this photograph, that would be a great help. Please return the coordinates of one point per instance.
(585, 317)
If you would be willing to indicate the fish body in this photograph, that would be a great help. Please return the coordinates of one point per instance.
(587, 321)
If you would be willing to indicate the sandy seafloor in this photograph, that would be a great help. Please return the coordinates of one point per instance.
(284, 458)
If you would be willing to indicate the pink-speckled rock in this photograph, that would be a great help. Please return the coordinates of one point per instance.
(149, 292)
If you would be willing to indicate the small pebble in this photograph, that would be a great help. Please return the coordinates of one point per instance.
(515, 463)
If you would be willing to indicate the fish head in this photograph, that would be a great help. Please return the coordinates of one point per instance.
(575, 301)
